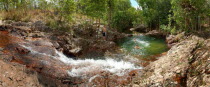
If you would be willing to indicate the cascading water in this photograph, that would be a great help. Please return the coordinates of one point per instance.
(83, 67)
(91, 68)
(117, 69)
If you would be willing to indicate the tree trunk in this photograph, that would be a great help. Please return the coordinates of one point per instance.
(6, 6)
(109, 14)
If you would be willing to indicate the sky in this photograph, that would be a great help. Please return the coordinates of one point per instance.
(134, 3)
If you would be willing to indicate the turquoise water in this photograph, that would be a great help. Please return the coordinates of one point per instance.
(143, 45)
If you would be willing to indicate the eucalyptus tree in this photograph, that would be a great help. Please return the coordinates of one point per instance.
(124, 15)
(188, 13)
(5, 4)
(64, 8)
(155, 12)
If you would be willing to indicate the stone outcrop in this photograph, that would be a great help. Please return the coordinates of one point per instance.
(172, 40)
(39, 55)
(185, 65)
(17, 41)
(156, 33)
(17, 75)
(82, 40)
(140, 28)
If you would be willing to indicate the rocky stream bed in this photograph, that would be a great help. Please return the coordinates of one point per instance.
(31, 56)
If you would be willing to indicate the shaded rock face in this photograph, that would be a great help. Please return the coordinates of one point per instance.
(139, 28)
(81, 47)
(186, 64)
(155, 33)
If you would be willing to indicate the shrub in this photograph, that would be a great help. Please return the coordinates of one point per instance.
(168, 29)
(123, 20)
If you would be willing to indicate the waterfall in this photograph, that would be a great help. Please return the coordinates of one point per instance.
(86, 67)
(82, 67)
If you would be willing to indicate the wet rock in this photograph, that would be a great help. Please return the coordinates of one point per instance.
(56, 45)
(139, 28)
(22, 50)
(155, 33)
(42, 42)
(75, 50)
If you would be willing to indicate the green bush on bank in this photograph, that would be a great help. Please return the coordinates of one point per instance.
(124, 20)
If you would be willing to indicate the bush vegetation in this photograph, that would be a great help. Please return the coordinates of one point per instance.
(167, 15)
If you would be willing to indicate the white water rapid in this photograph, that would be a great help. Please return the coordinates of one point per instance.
(86, 67)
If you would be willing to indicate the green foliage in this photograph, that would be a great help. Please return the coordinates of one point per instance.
(170, 15)
(138, 18)
(93, 8)
(169, 28)
(156, 12)
(187, 13)
(65, 9)
(123, 20)
(122, 5)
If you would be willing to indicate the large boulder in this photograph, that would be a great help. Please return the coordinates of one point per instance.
(172, 40)
(155, 33)
(140, 28)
